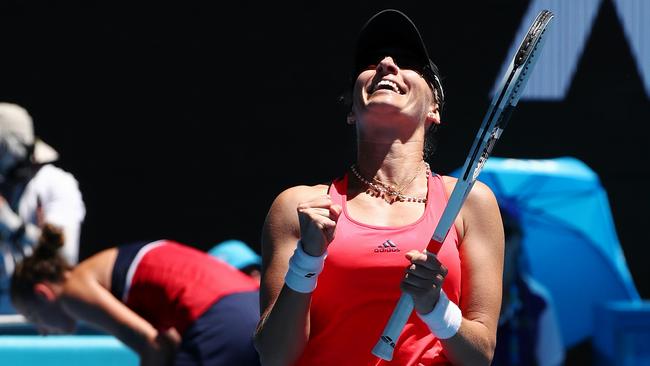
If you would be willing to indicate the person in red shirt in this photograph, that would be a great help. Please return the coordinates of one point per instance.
(169, 302)
(337, 255)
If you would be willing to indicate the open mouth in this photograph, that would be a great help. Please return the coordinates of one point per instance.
(387, 85)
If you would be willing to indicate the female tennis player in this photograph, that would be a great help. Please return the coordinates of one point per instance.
(337, 256)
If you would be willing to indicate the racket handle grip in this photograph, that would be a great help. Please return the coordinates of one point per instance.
(386, 343)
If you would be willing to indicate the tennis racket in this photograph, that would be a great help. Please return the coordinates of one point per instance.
(503, 103)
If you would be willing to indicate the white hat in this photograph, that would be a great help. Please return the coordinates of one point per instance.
(16, 125)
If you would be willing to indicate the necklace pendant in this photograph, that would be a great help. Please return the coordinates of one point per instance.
(388, 192)
(372, 191)
(391, 197)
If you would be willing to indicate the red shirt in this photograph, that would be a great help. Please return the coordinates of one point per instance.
(173, 284)
(360, 285)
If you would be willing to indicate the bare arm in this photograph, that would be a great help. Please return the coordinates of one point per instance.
(87, 298)
(283, 329)
(481, 254)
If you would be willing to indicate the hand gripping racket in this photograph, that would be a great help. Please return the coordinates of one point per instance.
(503, 103)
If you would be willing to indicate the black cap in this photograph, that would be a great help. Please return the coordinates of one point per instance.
(391, 31)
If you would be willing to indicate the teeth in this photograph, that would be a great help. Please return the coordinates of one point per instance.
(388, 83)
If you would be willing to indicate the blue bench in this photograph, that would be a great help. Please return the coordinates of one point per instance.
(21, 345)
(65, 350)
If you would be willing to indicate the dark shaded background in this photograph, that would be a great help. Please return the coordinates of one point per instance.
(185, 120)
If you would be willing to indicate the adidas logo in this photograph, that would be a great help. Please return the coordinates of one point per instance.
(387, 246)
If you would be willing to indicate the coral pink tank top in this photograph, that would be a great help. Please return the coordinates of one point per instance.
(360, 285)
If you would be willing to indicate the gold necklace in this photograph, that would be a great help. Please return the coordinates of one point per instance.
(388, 192)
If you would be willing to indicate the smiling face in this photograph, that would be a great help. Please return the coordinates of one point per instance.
(387, 95)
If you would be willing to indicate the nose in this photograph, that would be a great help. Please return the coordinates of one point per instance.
(387, 66)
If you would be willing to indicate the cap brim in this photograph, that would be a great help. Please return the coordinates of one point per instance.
(389, 29)
(392, 31)
(44, 153)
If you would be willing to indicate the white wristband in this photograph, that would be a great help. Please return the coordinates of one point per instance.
(304, 269)
(445, 318)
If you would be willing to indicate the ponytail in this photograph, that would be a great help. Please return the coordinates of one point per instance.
(45, 264)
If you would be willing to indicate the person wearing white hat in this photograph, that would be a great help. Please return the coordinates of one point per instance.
(32, 191)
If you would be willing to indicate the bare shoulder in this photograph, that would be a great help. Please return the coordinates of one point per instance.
(482, 198)
(480, 194)
(98, 267)
(480, 209)
(285, 204)
(282, 218)
(300, 193)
